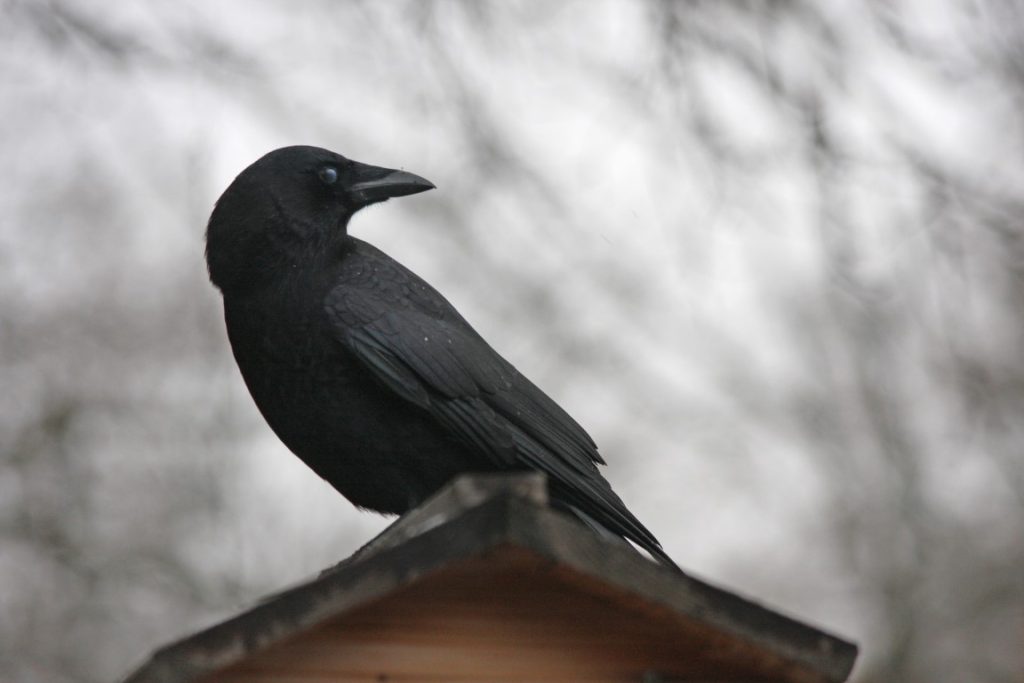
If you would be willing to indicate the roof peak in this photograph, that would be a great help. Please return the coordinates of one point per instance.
(503, 523)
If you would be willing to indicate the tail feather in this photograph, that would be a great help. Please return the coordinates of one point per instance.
(648, 544)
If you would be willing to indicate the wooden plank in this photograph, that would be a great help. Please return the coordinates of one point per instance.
(508, 617)
(416, 552)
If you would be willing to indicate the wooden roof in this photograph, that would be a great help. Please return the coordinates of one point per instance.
(480, 524)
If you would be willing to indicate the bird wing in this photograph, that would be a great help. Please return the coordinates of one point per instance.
(417, 345)
(462, 381)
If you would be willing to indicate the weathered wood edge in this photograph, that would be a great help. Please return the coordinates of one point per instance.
(511, 515)
(558, 537)
(378, 568)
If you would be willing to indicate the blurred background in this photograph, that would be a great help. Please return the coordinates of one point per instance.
(770, 254)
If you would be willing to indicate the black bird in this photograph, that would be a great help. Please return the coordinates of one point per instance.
(364, 370)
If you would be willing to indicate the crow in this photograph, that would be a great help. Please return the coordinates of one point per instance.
(364, 370)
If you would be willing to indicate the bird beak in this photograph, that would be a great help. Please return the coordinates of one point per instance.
(375, 184)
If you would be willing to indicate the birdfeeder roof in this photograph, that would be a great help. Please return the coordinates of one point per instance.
(482, 521)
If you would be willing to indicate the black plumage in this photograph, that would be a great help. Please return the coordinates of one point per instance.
(365, 371)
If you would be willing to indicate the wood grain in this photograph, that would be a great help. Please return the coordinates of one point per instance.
(502, 619)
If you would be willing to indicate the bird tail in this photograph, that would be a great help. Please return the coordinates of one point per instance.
(648, 544)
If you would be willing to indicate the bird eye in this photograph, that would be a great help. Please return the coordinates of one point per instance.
(328, 175)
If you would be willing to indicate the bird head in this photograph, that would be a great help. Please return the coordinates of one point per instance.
(290, 204)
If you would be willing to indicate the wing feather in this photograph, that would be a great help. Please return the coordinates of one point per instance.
(427, 354)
